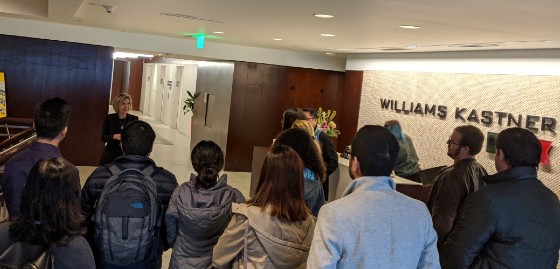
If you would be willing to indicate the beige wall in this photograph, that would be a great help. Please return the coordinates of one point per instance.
(517, 94)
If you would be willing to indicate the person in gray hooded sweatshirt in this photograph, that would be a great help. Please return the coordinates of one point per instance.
(275, 228)
(200, 209)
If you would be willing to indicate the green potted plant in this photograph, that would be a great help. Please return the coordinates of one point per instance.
(188, 104)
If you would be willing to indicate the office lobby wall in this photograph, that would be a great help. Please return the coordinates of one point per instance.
(262, 92)
(37, 69)
(465, 96)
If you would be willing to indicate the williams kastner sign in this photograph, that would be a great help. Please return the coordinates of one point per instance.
(486, 117)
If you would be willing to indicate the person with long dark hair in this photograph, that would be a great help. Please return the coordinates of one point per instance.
(275, 228)
(51, 216)
(314, 172)
(200, 209)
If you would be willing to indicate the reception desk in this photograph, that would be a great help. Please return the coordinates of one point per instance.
(340, 179)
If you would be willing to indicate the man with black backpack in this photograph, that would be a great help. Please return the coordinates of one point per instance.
(124, 203)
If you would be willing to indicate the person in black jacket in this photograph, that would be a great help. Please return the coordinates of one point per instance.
(513, 222)
(113, 126)
(330, 157)
(137, 142)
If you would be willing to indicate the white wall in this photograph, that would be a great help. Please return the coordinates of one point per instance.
(521, 82)
(520, 62)
(182, 46)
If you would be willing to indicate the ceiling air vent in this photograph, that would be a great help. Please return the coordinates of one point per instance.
(183, 16)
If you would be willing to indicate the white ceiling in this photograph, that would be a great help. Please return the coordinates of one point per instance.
(359, 26)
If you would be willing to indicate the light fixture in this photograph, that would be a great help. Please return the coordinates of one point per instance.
(329, 53)
(323, 16)
(327, 35)
(124, 55)
(277, 39)
(342, 49)
(409, 26)
(219, 33)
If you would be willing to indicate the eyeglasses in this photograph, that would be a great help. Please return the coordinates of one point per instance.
(450, 141)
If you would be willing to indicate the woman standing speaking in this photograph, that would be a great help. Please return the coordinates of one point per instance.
(112, 127)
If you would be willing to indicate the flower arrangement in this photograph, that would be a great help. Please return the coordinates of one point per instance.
(188, 104)
(325, 122)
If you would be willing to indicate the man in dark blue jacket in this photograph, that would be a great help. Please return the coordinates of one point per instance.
(137, 140)
(513, 222)
(50, 120)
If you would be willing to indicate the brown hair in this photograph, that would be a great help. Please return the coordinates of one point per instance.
(309, 152)
(281, 185)
(471, 137)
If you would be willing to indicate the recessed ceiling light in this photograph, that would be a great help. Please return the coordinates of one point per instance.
(409, 26)
(327, 35)
(323, 16)
(277, 39)
(411, 47)
(342, 49)
(219, 33)
(329, 53)
(547, 41)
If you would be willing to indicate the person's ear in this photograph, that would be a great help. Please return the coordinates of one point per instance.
(63, 132)
(356, 166)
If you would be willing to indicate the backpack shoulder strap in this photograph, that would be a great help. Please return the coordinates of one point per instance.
(113, 169)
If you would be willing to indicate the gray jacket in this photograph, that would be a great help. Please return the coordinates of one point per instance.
(195, 219)
(262, 241)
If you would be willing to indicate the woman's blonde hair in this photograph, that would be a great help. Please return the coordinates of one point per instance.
(304, 125)
(117, 101)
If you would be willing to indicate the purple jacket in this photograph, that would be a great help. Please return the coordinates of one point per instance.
(17, 169)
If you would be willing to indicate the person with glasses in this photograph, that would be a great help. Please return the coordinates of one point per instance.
(454, 183)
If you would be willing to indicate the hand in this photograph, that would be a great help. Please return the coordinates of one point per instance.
(117, 137)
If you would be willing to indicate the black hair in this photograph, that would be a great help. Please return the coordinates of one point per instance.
(300, 141)
(50, 204)
(137, 138)
(312, 112)
(51, 117)
(520, 147)
(471, 137)
(207, 160)
(376, 148)
(291, 115)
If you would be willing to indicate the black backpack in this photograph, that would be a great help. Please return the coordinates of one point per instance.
(127, 217)
(26, 256)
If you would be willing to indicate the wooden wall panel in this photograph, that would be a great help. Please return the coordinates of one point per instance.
(259, 92)
(118, 76)
(135, 81)
(350, 108)
(262, 92)
(38, 69)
